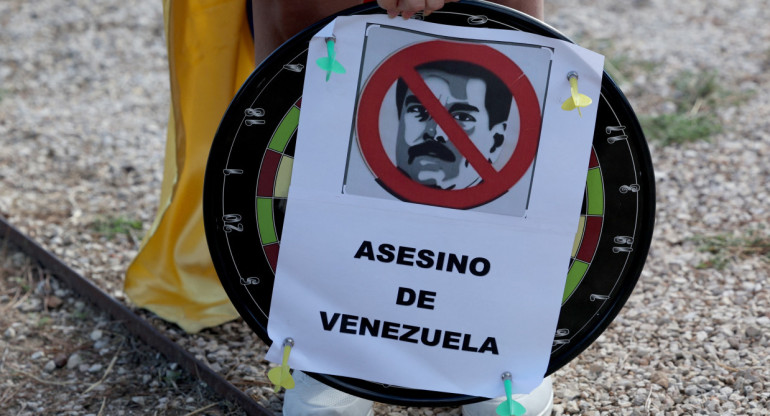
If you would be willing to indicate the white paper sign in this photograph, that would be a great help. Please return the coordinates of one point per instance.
(435, 196)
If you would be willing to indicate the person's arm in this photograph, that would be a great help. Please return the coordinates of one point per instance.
(275, 21)
(407, 8)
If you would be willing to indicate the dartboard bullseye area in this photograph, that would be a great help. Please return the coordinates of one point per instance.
(249, 170)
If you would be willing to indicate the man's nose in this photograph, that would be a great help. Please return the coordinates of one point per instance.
(434, 132)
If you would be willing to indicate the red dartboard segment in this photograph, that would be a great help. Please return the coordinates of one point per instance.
(594, 161)
(591, 236)
(403, 65)
(271, 253)
(267, 173)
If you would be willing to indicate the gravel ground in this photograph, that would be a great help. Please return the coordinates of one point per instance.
(60, 355)
(83, 105)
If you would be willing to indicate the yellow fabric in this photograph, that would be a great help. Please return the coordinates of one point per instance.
(210, 53)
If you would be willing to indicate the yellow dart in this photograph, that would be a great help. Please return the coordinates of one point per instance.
(281, 376)
(576, 100)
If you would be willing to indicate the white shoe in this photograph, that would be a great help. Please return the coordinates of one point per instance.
(310, 397)
(538, 403)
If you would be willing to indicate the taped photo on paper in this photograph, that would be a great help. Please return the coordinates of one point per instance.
(447, 122)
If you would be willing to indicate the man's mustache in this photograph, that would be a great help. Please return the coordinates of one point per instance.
(431, 148)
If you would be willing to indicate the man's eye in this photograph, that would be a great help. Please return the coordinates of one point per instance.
(418, 111)
(464, 117)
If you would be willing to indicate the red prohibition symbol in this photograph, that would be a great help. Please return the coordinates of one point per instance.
(403, 65)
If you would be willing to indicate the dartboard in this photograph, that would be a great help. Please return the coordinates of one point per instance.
(249, 171)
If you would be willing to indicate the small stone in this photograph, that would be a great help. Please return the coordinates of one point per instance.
(95, 368)
(660, 379)
(96, 334)
(49, 366)
(138, 400)
(31, 305)
(36, 355)
(9, 333)
(60, 359)
(753, 332)
(569, 394)
(74, 361)
(691, 390)
(640, 397)
(53, 302)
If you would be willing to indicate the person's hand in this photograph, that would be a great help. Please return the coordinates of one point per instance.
(407, 8)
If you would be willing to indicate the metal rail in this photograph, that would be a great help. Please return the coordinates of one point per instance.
(135, 324)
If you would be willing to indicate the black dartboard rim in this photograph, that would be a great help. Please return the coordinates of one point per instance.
(239, 211)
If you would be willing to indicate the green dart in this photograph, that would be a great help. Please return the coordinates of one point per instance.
(509, 407)
(330, 64)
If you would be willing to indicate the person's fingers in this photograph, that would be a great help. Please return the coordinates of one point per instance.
(407, 15)
(408, 8)
(390, 6)
(432, 5)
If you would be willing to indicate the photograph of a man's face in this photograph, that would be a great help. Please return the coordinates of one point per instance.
(475, 98)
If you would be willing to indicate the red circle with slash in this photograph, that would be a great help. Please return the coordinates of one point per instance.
(403, 65)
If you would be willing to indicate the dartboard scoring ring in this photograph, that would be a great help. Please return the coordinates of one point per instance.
(249, 168)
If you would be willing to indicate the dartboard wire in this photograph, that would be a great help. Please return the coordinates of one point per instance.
(589, 213)
(480, 25)
(587, 263)
(571, 335)
(282, 156)
(229, 154)
(628, 255)
(636, 196)
(601, 232)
